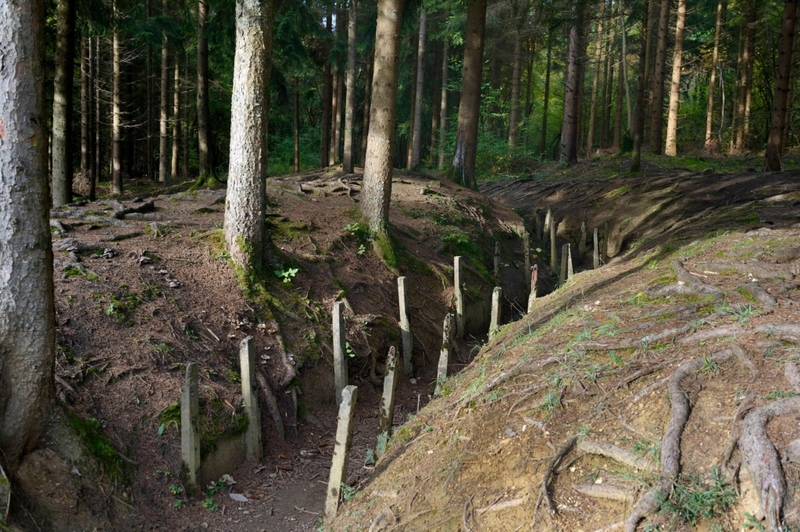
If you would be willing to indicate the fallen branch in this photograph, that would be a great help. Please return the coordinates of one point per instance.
(606, 491)
(609, 450)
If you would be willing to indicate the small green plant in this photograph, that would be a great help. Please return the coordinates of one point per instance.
(349, 350)
(751, 523)
(164, 349)
(286, 274)
(778, 394)
(648, 449)
(210, 505)
(695, 497)
(348, 492)
(362, 249)
(615, 358)
(177, 503)
(710, 365)
(175, 489)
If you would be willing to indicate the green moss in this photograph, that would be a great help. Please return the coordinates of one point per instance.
(101, 447)
(385, 249)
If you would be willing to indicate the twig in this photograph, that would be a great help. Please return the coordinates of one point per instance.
(306, 511)
(466, 515)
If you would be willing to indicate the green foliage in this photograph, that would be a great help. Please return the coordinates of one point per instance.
(348, 492)
(697, 497)
(210, 505)
(100, 446)
(286, 274)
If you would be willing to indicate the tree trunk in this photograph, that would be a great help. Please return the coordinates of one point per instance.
(97, 163)
(350, 103)
(327, 94)
(708, 143)
(163, 146)
(186, 118)
(745, 80)
(598, 45)
(62, 103)
(674, 91)
(377, 189)
(443, 106)
(367, 102)
(244, 229)
(413, 99)
(296, 149)
(86, 108)
(116, 112)
(546, 97)
(176, 117)
(569, 123)
(781, 99)
(638, 123)
(335, 103)
(27, 312)
(148, 58)
(657, 103)
(416, 137)
(469, 107)
(202, 90)
(608, 90)
(516, 75)
(624, 72)
(436, 104)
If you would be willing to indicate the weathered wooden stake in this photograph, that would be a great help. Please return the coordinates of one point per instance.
(596, 253)
(341, 451)
(553, 250)
(339, 354)
(444, 354)
(563, 275)
(534, 282)
(386, 412)
(457, 280)
(582, 243)
(253, 447)
(497, 262)
(526, 250)
(494, 322)
(405, 329)
(548, 221)
(570, 270)
(538, 226)
(605, 242)
(190, 426)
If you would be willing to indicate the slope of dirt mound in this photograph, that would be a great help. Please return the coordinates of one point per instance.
(659, 392)
(143, 286)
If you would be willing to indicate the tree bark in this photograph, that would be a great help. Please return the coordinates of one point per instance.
(569, 123)
(244, 229)
(97, 164)
(443, 105)
(469, 107)
(671, 147)
(413, 99)
(86, 108)
(176, 117)
(335, 103)
(163, 146)
(62, 103)
(436, 104)
(202, 90)
(546, 97)
(148, 59)
(27, 313)
(296, 149)
(327, 93)
(377, 188)
(516, 75)
(598, 45)
(417, 135)
(116, 112)
(350, 102)
(657, 103)
(781, 98)
(708, 141)
(367, 102)
(745, 80)
(185, 117)
(638, 125)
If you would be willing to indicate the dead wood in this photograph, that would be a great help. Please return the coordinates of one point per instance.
(123, 236)
(546, 479)
(606, 491)
(384, 519)
(763, 297)
(467, 516)
(609, 450)
(671, 442)
(145, 207)
(269, 399)
(762, 459)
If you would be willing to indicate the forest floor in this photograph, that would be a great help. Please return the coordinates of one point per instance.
(702, 266)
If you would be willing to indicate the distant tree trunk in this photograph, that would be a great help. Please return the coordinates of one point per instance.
(163, 167)
(745, 80)
(86, 109)
(97, 162)
(116, 112)
(569, 123)
(327, 94)
(413, 98)
(176, 117)
(350, 102)
(781, 98)
(469, 107)
(185, 114)
(674, 92)
(608, 89)
(377, 189)
(62, 103)
(416, 137)
(546, 97)
(244, 229)
(436, 104)
(709, 143)
(296, 150)
(516, 75)
(148, 127)
(27, 313)
(443, 106)
(616, 143)
(202, 90)
(638, 123)
(367, 101)
(529, 50)
(657, 103)
(624, 73)
(598, 46)
(335, 103)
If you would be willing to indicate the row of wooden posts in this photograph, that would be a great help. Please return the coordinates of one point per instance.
(346, 395)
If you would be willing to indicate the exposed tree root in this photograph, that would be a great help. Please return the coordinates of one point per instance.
(671, 442)
(758, 270)
(792, 374)
(546, 479)
(606, 491)
(528, 392)
(612, 526)
(506, 375)
(668, 335)
(502, 505)
(688, 284)
(763, 297)
(712, 334)
(649, 389)
(622, 456)
(269, 399)
(787, 332)
(762, 459)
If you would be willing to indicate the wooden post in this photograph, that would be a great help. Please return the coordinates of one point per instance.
(339, 354)
(341, 451)
(494, 322)
(563, 275)
(190, 426)
(534, 282)
(526, 250)
(457, 280)
(253, 447)
(605, 242)
(582, 243)
(497, 262)
(444, 354)
(405, 329)
(570, 270)
(548, 221)
(553, 249)
(386, 412)
(596, 253)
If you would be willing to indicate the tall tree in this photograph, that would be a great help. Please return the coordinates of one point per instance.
(62, 103)
(674, 91)
(202, 89)
(377, 190)
(176, 117)
(419, 92)
(86, 109)
(598, 50)
(781, 99)
(443, 105)
(709, 143)
(163, 166)
(27, 313)
(116, 108)
(546, 97)
(327, 95)
(466, 147)
(244, 229)
(519, 11)
(638, 121)
(657, 102)
(350, 87)
(742, 122)
(569, 123)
